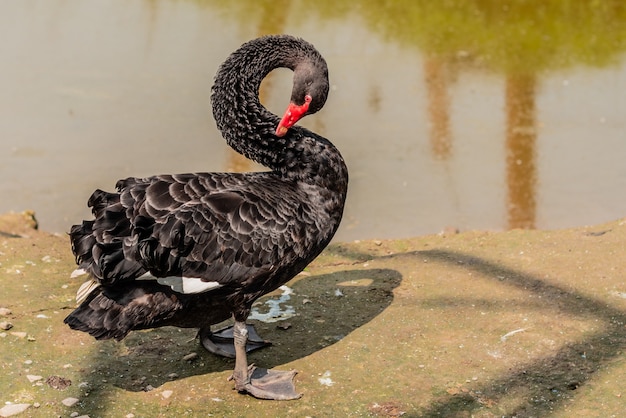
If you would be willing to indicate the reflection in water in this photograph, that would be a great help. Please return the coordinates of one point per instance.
(438, 106)
(517, 39)
(521, 135)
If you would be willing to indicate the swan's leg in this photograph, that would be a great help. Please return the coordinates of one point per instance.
(241, 375)
(260, 383)
(221, 342)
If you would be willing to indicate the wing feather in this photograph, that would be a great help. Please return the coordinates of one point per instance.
(222, 228)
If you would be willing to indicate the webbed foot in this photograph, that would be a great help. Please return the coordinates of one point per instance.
(270, 384)
(221, 342)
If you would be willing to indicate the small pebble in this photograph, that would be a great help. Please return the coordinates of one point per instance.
(190, 357)
(5, 311)
(69, 401)
(6, 325)
(173, 376)
(166, 394)
(19, 334)
(33, 378)
(28, 362)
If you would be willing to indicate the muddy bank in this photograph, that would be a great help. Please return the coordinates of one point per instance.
(518, 323)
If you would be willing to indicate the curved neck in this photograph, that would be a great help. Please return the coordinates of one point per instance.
(249, 127)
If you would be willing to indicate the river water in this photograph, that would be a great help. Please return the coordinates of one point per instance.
(447, 116)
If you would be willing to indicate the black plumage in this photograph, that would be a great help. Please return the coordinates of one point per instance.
(246, 233)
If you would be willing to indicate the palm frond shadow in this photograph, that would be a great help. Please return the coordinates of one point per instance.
(546, 383)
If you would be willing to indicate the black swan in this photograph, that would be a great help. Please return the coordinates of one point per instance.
(192, 250)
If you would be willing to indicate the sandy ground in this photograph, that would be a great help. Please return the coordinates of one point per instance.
(476, 324)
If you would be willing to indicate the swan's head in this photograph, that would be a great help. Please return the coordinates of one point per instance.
(310, 90)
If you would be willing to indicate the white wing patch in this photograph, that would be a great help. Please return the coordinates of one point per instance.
(185, 285)
(196, 285)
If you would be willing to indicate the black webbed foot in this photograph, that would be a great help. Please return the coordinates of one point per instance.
(221, 342)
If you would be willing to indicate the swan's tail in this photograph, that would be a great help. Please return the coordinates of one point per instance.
(97, 316)
(113, 312)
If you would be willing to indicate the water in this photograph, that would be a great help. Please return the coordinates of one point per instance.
(449, 114)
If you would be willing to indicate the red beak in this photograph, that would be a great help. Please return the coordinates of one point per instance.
(293, 114)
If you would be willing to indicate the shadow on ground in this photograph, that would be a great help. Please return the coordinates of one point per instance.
(327, 309)
(535, 388)
(545, 384)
